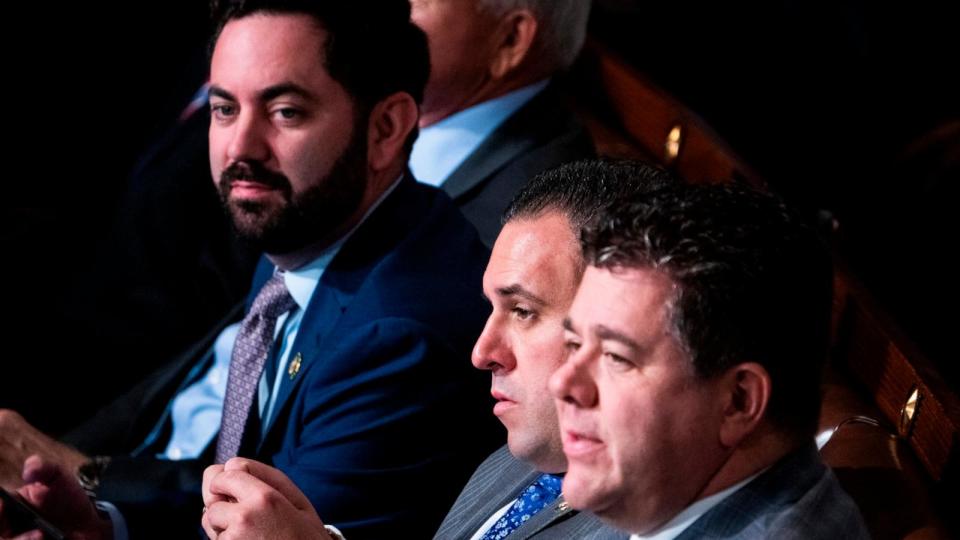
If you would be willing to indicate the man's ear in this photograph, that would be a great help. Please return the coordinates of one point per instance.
(746, 390)
(391, 121)
(516, 34)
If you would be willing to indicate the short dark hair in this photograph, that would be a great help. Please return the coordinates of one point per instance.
(581, 190)
(372, 49)
(754, 283)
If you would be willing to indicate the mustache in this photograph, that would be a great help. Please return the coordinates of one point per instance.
(253, 171)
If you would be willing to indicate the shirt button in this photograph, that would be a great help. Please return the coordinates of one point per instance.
(175, 453)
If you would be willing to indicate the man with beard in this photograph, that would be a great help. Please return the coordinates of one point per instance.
(170, 268)
(531, 279)
(348, 371)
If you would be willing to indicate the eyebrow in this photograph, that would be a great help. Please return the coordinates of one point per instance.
(606, 333)
(216, 91)
(267, 94)
(517, 290)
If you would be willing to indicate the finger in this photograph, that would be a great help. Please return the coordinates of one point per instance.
(237, 464)
(208, 475)
(237, 486)
(35, 494)
(274, 478)
(35, 469)
(30, 535)
(221, 516)
(207, 526)
(40, 479)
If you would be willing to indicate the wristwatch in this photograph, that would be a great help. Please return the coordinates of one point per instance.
(90, 472)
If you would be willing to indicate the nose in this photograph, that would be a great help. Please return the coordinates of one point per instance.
(573, 382)
(248, 140)
(493, 350)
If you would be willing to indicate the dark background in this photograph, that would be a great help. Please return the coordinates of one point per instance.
(87, 92)
(833, 102)
(848, 107)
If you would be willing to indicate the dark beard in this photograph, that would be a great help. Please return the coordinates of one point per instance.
(303, 218)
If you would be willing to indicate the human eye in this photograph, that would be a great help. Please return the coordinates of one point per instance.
(618, 361)
(287, 114)
(523, 314)
(571, 342)
(223, 111)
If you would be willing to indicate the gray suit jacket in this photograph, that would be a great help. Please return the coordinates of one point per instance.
(799, 497)
(499, 480)
(541, 135)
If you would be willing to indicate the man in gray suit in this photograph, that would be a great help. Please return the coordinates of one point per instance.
(690, 398)
(492, 117)
(530, 280)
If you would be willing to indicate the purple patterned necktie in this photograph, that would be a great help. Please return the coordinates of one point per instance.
(250, 350)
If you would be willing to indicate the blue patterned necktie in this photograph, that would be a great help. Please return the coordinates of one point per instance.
(250, 350)
(543, 491)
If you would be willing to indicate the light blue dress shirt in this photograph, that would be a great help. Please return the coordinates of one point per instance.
(445, 145)
(196, 411)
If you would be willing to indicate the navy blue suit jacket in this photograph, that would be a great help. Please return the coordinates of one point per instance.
(386, 417)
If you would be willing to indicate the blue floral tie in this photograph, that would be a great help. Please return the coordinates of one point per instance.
(543, 491)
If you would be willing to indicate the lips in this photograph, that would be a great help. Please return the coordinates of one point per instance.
(503, 404)
(579, 444)
(245, 179)
(247, 188)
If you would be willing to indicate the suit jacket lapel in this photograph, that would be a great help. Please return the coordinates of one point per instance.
(517, 135)
(340, 282)
(793, 475)
(542, 519)
(496, 482)
(322, 315)
(498, 150)
(508, 494)
(497, 501)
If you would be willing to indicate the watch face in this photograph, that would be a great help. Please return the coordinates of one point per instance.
(88, 474)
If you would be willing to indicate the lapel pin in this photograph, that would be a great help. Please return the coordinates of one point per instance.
(295, 366)
(563, 506)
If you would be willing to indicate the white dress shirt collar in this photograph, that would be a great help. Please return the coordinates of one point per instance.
(445, 145)
(687, 516)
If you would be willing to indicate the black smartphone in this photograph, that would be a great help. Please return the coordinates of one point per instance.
(22, 517)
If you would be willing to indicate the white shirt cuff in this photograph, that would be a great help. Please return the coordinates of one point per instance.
(116, 518)
(334, 532)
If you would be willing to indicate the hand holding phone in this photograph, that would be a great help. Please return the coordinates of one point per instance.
(21, 517)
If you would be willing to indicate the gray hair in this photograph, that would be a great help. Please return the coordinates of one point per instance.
(562, 26)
